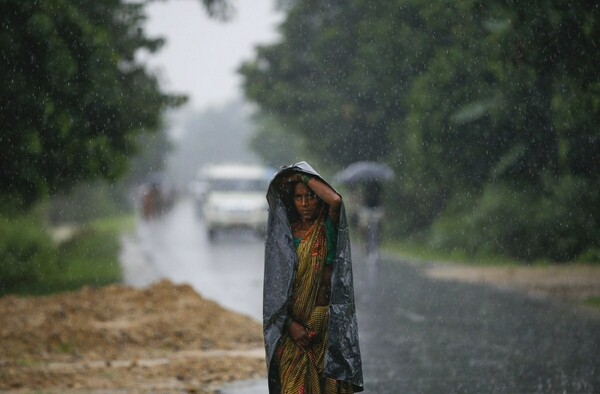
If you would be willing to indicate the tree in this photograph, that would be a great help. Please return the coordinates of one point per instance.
(504, 108)
(308, 81)
(74, 98)
(463, 98)
(273, 146)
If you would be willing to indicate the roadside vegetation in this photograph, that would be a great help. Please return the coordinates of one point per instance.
(33, 263)
(419, 248)
(419, 251)
(486, 112)
(593, 302)
(82, 126)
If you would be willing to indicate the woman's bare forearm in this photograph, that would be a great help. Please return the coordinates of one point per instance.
(325, 193)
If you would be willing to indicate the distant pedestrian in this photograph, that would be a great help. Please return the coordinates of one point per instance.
(311, 334)
(370, 217)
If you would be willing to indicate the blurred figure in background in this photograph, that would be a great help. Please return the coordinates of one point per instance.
(369, 176)
(150, 200)
(156, 197)
(370, 217)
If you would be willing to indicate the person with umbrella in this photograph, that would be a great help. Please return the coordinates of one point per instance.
(370, 176)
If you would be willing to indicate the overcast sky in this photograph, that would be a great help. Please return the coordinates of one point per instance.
(201, 55)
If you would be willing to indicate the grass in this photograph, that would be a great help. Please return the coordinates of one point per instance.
(593, 302)
(419, 252)
(90, 257)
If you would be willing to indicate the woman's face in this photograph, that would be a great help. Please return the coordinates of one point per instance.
(306, 202)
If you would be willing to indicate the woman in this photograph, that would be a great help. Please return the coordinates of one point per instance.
(311, 336)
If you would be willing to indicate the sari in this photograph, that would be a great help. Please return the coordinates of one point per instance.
(302, 371)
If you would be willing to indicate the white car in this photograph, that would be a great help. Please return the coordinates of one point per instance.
(235, 197)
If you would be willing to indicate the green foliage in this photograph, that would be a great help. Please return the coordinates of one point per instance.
(273, 146)
(559, 224)
(31, 264)
(27, 253)
(590, 255)
(153, 152)
(593, 302)
(90, 257)
(74, 98)
(417, 250)
(87, 201)
(313, 82)
(489, 113)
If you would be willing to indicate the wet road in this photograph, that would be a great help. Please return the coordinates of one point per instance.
(424, 336)
(176, 247)
(417, 335)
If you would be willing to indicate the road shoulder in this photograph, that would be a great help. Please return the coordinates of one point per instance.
(572, 282)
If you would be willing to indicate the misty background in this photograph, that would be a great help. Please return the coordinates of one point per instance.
(488, 113)
(201, 59)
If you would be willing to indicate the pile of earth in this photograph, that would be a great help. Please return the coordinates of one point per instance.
(164, 338)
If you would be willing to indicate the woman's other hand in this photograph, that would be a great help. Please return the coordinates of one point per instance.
(300, 335)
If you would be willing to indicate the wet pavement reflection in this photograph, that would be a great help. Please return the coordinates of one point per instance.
(228, 270)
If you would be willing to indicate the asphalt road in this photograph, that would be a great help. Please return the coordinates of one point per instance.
(417, 335)
(424, 336)
(176, 247)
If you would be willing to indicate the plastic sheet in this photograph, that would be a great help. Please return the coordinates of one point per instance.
(343, 360)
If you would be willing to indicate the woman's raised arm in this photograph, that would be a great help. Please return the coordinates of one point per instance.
(323, 191)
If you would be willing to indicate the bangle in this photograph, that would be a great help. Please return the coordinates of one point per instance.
(304, 178)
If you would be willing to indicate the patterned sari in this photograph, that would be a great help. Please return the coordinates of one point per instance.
(301, 372)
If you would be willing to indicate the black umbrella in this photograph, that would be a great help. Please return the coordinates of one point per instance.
(365, 172)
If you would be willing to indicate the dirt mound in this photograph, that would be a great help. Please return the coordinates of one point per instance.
(164, 338)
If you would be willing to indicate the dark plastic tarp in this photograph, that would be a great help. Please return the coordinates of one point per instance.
(342, 360)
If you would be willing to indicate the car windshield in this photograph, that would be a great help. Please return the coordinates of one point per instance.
(238, 185)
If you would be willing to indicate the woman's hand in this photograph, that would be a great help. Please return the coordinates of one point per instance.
(300, 335)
